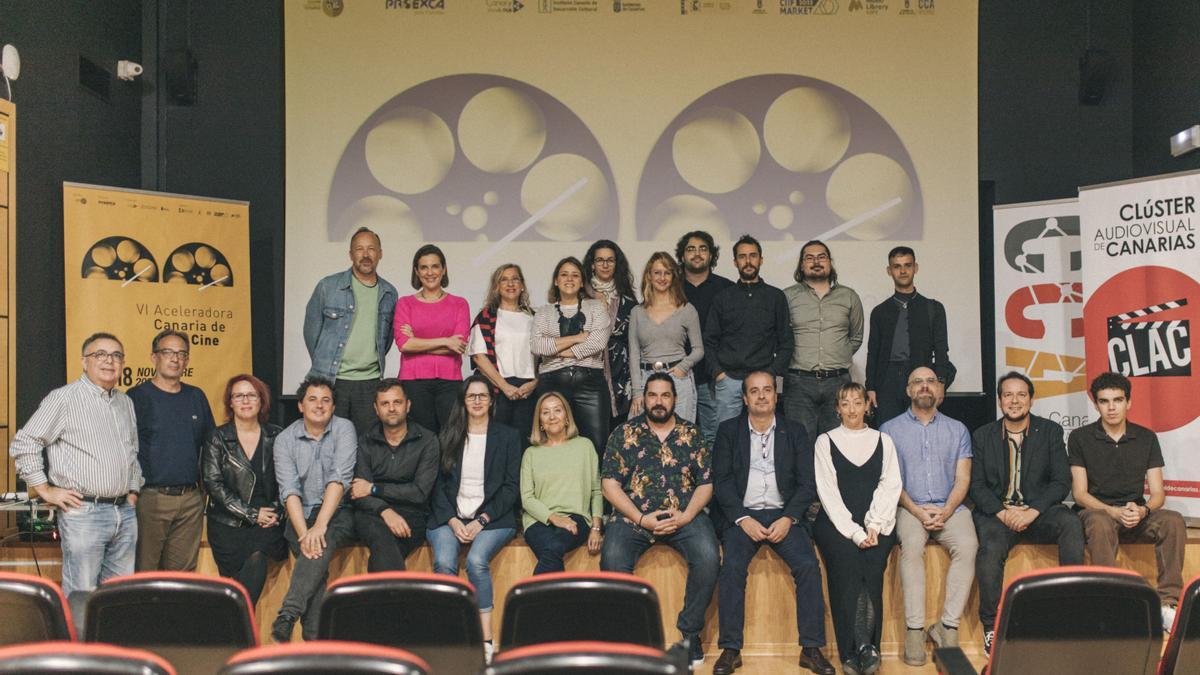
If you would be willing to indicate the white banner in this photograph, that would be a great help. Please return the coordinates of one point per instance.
(1039, 305)
(1142, 284)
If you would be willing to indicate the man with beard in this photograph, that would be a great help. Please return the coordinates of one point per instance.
(764, 482)
(1019, 478)
(348, 330)
(907, 330)
(657, 477)
(827, 328)
(934, 452)
(393, 481)
(746, 330)
(697, 254)
(174, 422)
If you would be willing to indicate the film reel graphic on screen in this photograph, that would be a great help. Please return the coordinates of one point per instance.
(465, 158)
(121, 258)
(783, 157)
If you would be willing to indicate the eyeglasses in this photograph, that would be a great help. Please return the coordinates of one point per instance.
(927, 380)
(478, 397)
(820, 257)
(696, 249)
(605, 261)
(106, 356)
(247, 397)
(172, 354)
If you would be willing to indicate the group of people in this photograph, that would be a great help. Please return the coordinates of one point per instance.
(712, 416)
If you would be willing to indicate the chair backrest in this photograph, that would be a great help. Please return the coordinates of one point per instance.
(569, 606)
(63, 658)
(194, 621)
(432, 615)
(32, 609)
(1077, 620)
(326, 657)
(1182, 654)
(609, 658)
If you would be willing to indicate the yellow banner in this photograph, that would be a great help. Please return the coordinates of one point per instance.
(138, 262)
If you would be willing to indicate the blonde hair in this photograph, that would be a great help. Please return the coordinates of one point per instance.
(676, 289)
(537, 435)
(851, 388)
(492, 300)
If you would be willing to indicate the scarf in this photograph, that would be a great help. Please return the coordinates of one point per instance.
(607, 289)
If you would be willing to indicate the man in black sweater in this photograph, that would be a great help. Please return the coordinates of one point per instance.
(747, 329)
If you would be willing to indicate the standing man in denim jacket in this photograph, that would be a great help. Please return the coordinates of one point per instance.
(348, 345)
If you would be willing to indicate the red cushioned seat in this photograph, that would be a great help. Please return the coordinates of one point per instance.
(1182, 654)
(326, 657)
(610, 658)
(32, 609)
(570, 606)
(63, 658)
(433, 615)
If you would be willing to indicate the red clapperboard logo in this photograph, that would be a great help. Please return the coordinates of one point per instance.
(1146, 315)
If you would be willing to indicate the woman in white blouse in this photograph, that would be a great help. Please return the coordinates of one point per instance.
(858, 481)
(499, 348)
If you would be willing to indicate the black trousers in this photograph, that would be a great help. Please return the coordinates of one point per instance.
(850, 571)
(517, 414)
(387, 550)
(355, 401)
(892, 392)
(587, 393)
(432, 400)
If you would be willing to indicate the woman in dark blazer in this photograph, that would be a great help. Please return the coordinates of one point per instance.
(475, 497)
(238, 465)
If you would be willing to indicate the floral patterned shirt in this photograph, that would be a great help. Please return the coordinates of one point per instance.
(657, 475)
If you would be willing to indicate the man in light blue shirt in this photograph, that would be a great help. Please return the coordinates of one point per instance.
(935, 461)
(314, 463)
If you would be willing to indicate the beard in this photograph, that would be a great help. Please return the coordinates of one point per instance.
(924, 401)
(660, 414)
(753, 274)
(695, 268)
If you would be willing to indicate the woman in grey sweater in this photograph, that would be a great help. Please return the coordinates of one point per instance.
(664, 335)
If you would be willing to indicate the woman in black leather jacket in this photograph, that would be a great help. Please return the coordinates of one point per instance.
(239, 476)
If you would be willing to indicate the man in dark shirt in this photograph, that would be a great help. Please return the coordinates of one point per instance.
(1112, 459)
(393, 480)
(908, 330)
(174, 422)
(697, 253)
(747, 329)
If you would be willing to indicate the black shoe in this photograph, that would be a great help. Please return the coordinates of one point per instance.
(850, 666)
(814, 660)
(729, 661)
(695, 651)
(868, 659)
(281, 630)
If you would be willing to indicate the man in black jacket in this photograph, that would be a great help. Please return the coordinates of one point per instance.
(764, 483)
(1019, 478)
(908, 330)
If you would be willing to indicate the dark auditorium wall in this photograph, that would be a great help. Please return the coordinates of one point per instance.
(1035, 140)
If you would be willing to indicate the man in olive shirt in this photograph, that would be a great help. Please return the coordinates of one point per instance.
(827, 325)
(393, 480)
(1111, 460)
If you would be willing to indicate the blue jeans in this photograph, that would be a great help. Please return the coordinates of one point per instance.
(706, 412)
(99, 541)
(696, 542)
(728, 392)
(487, 543)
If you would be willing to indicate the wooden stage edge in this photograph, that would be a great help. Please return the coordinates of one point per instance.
(770, 598)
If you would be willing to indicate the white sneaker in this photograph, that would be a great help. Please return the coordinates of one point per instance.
(489, 650)
(1168, 617)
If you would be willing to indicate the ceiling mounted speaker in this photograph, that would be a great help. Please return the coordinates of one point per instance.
(179, 76)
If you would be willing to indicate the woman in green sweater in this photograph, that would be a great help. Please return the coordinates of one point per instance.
(560, 486)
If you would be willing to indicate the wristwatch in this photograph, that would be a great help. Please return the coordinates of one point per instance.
(482, 519)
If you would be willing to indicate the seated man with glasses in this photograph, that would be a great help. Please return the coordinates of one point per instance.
(174, 422)
(89, 436)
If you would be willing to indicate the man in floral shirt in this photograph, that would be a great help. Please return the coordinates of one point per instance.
(657, 475)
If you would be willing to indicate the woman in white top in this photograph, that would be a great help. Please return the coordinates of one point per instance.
(664, 335)
(474, 501)
(499, 348)
(571, 336)
(858, 481)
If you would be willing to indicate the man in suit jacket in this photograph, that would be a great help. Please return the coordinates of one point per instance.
(1019, 478)
(908, 330)
(764, 483)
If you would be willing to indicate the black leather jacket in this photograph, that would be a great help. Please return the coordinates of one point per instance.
(229, 480)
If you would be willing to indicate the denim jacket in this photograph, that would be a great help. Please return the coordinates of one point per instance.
(329, 317)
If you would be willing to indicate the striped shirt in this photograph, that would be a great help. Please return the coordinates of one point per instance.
(588, 354)
(90, 438)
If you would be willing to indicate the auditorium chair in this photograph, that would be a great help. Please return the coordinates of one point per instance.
(1182, 654)
(596, 658)
(589, 606)
(194, 621)
(327, 657)
(1076, 620)
(80, 658)
(32, 609)
(435, 616)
